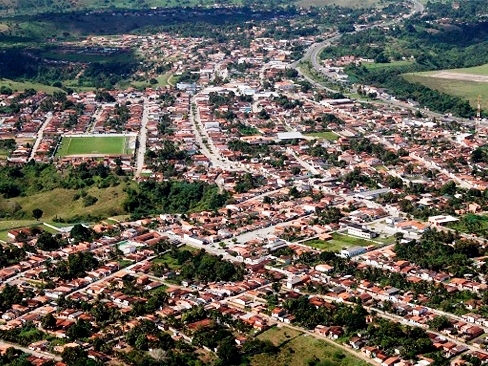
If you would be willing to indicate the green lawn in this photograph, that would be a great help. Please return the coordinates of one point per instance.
(339, 242)
(163, 80)
(125, 262)
(477, 70)
(60, 202)
(468, 90)
(107, 145)
(7, 225)
(299, 349)
(327, 135)
(166, 258)
(21, 86)
(375, 65)
(278, 335)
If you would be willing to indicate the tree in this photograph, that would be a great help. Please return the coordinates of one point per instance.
(48, 242)
(48, 321)
(227, 352)
(37, 213)
(72, 355)
(80, 232)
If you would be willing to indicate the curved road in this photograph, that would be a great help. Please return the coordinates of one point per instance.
(315, 49)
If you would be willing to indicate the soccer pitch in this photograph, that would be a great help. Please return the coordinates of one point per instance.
(94, 146)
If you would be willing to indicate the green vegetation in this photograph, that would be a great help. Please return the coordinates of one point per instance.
(174, 197)
(297, 349)
(157, 82)
(377, 65)
(338, 242)
(99, 145)
(278, 336)
(467, 89)
(61, 203)
(343, 3)
(327, 135)
(432, 252)
(23, 85)
(471, 223)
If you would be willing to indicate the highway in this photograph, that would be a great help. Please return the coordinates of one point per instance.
(313, 52)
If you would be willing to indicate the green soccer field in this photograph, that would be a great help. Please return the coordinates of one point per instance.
(109, 145)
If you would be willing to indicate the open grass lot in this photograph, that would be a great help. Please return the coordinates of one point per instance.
(465, 89)
(477, 70)
(109, 145)
(278, 336)
(327, 135)
(298, 349)
(5, 226)
(167, 259)
(163, 80)
(59, 202)
(21, 86)
(341, 241)
(374, 65)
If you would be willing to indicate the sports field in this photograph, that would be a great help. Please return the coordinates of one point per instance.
(467, 83)
(94, 146)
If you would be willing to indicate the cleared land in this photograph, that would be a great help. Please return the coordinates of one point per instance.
(327, 135)
(94, 146)
(297, 349)
(61, 203)
(467, 83)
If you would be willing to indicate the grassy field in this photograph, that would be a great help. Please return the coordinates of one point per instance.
(59, 202)
(21, 86)
(278, 336)
(166, 258)
(163, 80)
(466, 89)
(327, 135)
(338, 242)
(345, 3)
(297, 349)
(374, 65)
(111, 145)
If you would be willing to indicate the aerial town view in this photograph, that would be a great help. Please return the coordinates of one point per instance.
(243, 182)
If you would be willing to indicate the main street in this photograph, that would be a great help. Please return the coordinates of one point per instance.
(142, 138)
(40, 136)
(206, 144)
(46, 355)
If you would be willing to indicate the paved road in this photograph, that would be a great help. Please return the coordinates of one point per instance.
(40, 136)
(313, 52)
(46, 355)
(208, 149)
(141, 151)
